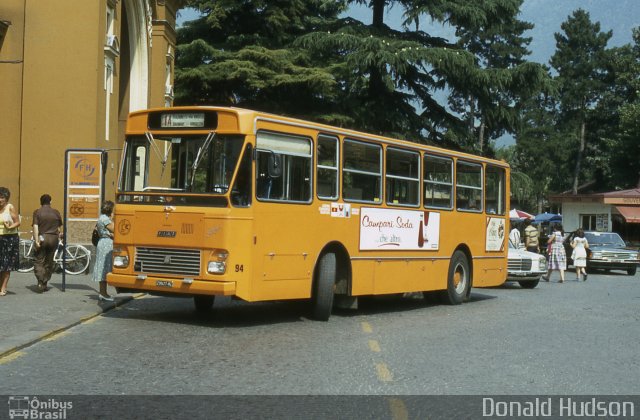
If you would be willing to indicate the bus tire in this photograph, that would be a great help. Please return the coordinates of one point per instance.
(203, 303)
(323, 287)
(458, 279)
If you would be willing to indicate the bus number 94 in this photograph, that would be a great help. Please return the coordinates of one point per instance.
(239, 268)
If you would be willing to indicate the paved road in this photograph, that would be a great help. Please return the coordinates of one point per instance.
(571, 338)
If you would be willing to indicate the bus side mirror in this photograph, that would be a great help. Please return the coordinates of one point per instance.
(274, 165)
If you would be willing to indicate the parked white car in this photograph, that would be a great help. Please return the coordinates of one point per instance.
(525, 267)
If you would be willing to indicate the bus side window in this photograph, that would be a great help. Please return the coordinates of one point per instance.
(468, 186)
(292, 156)
(327, 171)
(438, 182)
(495, 188)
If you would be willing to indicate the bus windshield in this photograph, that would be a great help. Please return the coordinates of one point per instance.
(196, 164)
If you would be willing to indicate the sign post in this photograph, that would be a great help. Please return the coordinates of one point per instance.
(83, 192)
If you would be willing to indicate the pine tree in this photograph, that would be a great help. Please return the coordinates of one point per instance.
(239, 53)
(500, 49)
(579, 60)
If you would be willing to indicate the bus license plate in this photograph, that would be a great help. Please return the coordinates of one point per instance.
(164, 283)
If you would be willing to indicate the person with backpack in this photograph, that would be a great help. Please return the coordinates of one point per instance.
(104, 250)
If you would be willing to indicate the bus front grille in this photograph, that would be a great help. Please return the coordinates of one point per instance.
(167, 260)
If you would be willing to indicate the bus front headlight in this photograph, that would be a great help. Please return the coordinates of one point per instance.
(121, 261)
(120, 257)
(217, 261)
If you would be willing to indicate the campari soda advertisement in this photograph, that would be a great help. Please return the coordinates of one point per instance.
(399, 229)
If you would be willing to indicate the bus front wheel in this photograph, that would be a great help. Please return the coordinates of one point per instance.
(458, 279)
(203, 303)
(323, 287)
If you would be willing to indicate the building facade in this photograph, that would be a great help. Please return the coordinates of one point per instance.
(615, 211)
(70, 72)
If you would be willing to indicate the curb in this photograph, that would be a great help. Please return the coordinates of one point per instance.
(107, 307)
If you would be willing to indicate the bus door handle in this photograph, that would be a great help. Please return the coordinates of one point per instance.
(273, 254)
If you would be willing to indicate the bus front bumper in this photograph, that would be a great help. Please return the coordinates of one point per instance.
(170, 286)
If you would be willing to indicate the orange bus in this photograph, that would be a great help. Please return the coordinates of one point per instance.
(226, 201)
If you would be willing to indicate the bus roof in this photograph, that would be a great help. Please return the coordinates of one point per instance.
(246, 122)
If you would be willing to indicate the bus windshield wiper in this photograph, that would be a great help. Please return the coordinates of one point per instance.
(202, 151)
(156, 149)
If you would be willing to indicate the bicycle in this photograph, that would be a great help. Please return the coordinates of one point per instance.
(77, 257)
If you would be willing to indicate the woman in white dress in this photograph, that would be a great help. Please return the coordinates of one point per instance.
(579, 255)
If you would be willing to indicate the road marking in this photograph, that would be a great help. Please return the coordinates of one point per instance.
(384, 374)
(374, 346)
(56, 336)
(398, 409)
(11, 357)
(14, 352)
(366, 327)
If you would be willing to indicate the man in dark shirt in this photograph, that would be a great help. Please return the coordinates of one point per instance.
(46, 231)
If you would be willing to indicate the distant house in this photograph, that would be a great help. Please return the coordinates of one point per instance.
(615, 211)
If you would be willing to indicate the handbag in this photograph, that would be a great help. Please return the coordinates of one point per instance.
(95, 236)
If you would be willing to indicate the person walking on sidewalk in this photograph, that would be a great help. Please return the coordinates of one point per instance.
(9, 240)
(46, 233)
(104, 250)
(579, 255)
(558, 256)
(514, 235)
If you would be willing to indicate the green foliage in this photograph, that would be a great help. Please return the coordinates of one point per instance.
(298, 58)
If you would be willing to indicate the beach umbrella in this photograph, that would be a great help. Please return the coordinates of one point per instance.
(548, 217)
(519, 214)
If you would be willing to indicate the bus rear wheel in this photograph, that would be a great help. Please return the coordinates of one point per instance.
(203, 303)
(458, 280)
(323, 287)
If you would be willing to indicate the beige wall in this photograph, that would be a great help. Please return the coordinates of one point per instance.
(11, 68)
(54, 99)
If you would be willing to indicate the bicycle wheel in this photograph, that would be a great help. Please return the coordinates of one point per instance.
(27, 255)
(78, 258)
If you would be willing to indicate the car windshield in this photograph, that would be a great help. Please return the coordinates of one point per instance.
(604, 239)
(201, 164)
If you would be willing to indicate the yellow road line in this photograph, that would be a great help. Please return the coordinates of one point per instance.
(374, 346)
(366, 327)
(11, 357)
(15, 352)
(398, 409)
(56, 336)
(384, 374)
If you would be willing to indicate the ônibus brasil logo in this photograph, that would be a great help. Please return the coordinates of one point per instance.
(21, 407)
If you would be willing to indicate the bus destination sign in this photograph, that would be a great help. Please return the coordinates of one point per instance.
(182, 120)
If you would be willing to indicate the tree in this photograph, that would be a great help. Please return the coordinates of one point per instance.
(579, 61)
(239, 53)
(619, 116)
(499, 46)
(393, 76)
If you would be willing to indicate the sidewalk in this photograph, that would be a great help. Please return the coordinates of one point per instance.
(28, 316)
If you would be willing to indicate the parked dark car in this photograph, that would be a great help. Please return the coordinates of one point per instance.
(607, 251)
